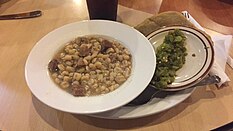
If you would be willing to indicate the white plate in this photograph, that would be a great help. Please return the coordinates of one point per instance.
(48, 92)
(198, 61)
(193, 71)
(157, 105)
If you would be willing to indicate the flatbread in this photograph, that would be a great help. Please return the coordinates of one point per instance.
(164, 19)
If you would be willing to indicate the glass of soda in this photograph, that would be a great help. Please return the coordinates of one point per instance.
(102, 9)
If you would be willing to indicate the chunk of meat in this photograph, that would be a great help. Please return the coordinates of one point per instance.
(78, 90)
(84, 50)
(53, 65)
(105, 45)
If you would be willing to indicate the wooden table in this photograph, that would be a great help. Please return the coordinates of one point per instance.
(205, 109)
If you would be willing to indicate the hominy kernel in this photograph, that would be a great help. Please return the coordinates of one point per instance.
(105, 56)
(72, 51)
(110, 50)
(76, 53)
(108, 60)
(87, 69)
(81, 70)
(77, 76)
(120, 79)
(60, 76)
(64, 84)
(100, 59)
(71, 74)
(86, 77)
(100, 77)
(69, 46)
(66, 78)
(64, 73)
(120, 57)
(98, 64)
(92, 66)
(126, 57)
(95, 85)
(75, 45)
(107, 90)
(111, 78)
(126, 52)
(117, 50)
(85, 61)
(102, 88)
(96, 43)
(70, 69)
(97, 90)
(92, 72)
(108, 82)
(75, 83)
(117, 69)
(91, 82)
(57, 80)
(54, 75)
(88, 58)
(67, 57)
(75, 57)
(61, 67)
(94, 60)
(88, 93)
(111, 88)
(69, 63)
(116, 86)
(117, 64)
(62, 55)
(66, 50)
(87, 87)
(98, 71)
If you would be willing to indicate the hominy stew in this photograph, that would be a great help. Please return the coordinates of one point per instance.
(91, 65)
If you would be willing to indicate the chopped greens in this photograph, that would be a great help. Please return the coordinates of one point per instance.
(170, 57)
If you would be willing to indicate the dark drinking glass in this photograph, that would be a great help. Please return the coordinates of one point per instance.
(102, 9)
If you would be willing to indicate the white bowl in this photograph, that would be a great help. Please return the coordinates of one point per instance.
(42, 86)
